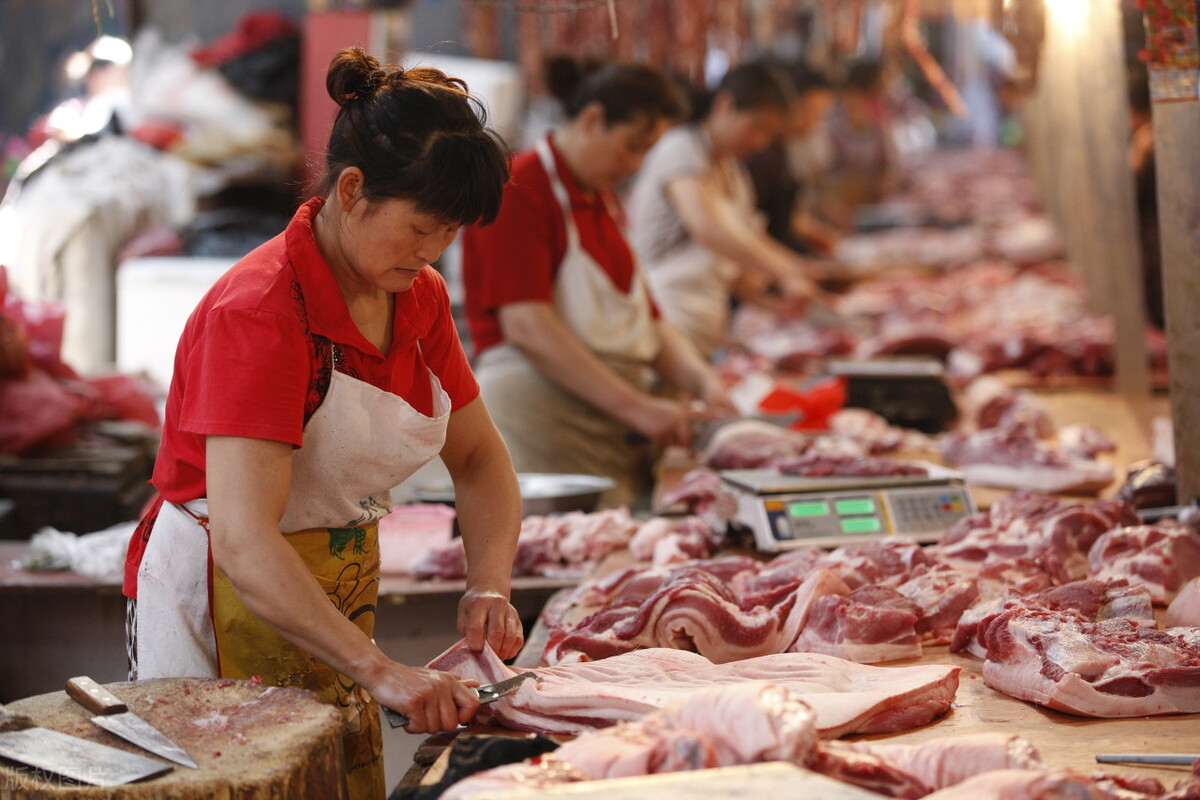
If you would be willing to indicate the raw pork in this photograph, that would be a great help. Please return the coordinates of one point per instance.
(1014, 458)
(573, 698)
(906, 770)
(1163, 557)
(722, 726)
(1092, 601)
(692, 610)
(1103, 669)
(1032, 784)
(870, 625)
(817, 465)
(1185, 608)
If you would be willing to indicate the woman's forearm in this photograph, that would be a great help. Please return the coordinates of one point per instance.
(487, 498)
(552, 347)
(275, 585)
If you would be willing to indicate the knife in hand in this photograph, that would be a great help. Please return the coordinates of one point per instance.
(487, 693)
(116, 718)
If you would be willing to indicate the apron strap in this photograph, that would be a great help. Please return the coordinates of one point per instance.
(546, 156)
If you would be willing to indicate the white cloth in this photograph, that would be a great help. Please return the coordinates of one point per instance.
(60, 233)
(358, 444)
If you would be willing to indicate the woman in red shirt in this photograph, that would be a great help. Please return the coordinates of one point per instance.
(567, 338)
(317, 374)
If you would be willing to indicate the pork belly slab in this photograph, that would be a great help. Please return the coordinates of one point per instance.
(573, 698)
(1113, 668)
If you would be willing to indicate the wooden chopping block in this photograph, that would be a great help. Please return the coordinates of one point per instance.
(250, 741)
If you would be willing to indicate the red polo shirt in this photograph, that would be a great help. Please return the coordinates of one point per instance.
(245, 361)
(516, 258)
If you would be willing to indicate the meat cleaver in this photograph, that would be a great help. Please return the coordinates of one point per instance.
(116, 718)
(487, 694)
(71, 757)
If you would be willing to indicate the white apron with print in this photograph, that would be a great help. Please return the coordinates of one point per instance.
(546, 428)
(693, 285)
(359, 444)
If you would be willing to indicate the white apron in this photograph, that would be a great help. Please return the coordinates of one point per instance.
(358, 445)
(692, 284)
(546, 428)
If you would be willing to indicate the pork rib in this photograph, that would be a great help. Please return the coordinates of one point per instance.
(573, 698)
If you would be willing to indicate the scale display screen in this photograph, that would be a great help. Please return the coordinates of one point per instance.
(836, 517)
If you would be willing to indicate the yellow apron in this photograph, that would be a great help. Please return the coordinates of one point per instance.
(345, 561)
(360, 442)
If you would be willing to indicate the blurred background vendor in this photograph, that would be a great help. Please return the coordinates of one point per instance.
(568, 339)
(692, 215)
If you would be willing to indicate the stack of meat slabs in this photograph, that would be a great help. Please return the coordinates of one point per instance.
(772, 779)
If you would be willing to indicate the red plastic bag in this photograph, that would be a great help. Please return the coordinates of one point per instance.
(38, 412)
(125, 397)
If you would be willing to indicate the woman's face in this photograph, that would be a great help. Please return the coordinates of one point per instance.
(385, 245)
(742, 132)
(615, 152)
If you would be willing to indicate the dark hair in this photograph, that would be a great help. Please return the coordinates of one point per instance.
(807, 78)
(416, 134)
(626, 91)
(863, 75)
(1137, 81)
(753, 85)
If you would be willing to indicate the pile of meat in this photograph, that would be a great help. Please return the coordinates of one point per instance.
(988, 587)
(572, 544)
(845, 697)
(979, 318)
(757, 721)
(1005, 438)
(855, 435)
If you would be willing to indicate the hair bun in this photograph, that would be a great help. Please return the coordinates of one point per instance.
(354, 75)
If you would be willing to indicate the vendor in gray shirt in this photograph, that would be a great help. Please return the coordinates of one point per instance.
(692, 217)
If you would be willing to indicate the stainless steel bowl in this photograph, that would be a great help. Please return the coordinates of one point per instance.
(541, 492)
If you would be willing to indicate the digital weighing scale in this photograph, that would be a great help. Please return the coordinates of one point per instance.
(789, 511)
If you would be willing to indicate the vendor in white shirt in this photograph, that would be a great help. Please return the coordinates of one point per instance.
(568, 340)
(692, 215)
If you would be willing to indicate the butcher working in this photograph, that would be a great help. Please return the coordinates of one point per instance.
(317, 374)
(581, 372)
(692, 215)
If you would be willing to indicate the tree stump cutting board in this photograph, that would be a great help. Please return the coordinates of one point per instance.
(251, 741)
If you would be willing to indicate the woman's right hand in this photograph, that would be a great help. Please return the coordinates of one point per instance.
(664, 422)
(431, 699)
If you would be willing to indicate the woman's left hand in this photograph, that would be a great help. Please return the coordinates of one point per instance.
(488, 616)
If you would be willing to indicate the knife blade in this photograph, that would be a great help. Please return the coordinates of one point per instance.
(488, 693)
(77, 759)
(116, 718)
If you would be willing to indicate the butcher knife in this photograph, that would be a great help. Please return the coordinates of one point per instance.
(116, 718)
(488, 693)
(77, 759)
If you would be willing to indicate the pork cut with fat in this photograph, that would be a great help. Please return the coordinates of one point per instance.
(1163, 557)
(572, 698)
(721, 726)
(870, 625)
(1032, 784)
(903, 770)
(1092, 601)
(1185, 608)
(1107, 669)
